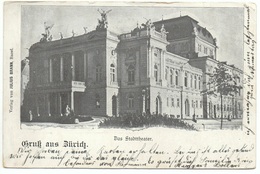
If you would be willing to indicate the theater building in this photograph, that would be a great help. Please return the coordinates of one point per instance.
(158, 68)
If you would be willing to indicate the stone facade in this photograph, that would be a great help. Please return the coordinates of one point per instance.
(147, 70)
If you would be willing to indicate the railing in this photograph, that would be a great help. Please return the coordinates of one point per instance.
(142, 33)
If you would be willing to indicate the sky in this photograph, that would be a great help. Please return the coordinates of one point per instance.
(225, 24)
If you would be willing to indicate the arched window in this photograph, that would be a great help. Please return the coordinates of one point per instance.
(176, 78)
(186, 80)
(98, 73)
(171, 77)
(131, 74)
(156, 73)
(195, 82)
(112, 73)
(191, 80)
(130, 101)
(187, 108)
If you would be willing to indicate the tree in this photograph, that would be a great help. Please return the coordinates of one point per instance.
(222, 83)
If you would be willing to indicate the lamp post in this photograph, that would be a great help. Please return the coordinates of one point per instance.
(194, 116)
(143, 95)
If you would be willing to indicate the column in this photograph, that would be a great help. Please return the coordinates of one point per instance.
(50, 70)
(148, 62)
(73, 66)
(48, 104)
(85, 66)
(60, 104)
(144, 103)
(61, 68)
(151, 62)
(137, 76)
(162, 65)
(37, 106)
(72, 101)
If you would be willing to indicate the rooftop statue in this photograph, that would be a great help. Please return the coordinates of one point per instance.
(148, 24)
(47, 35)
(102, 24)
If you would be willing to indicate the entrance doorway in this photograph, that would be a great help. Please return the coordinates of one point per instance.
(158, 105)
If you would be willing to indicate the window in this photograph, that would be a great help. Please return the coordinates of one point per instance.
(239, 107)
(156, 73)
(200, 104)
(171, 77)
(172, 102)
(186, 80)
(195, 82)
(131, 74)
(211, 52)
(178, 102)
(130, 101)
(98, 73)
(224, 107)
(112, 73)
(205, 50)
(176, 78)
(199, 47)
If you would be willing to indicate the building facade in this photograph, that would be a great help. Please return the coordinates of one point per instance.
(158, 68)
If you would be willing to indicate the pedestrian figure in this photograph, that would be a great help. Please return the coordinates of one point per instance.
(30, 115)
(68, 111)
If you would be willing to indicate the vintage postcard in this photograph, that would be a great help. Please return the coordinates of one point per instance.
(129, 85)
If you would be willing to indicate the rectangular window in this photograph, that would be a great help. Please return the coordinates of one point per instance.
(211, 52)
(172, 102)
(98, 73)
(130, 102)
(199, 47)
(178, 102)
(205, 50)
